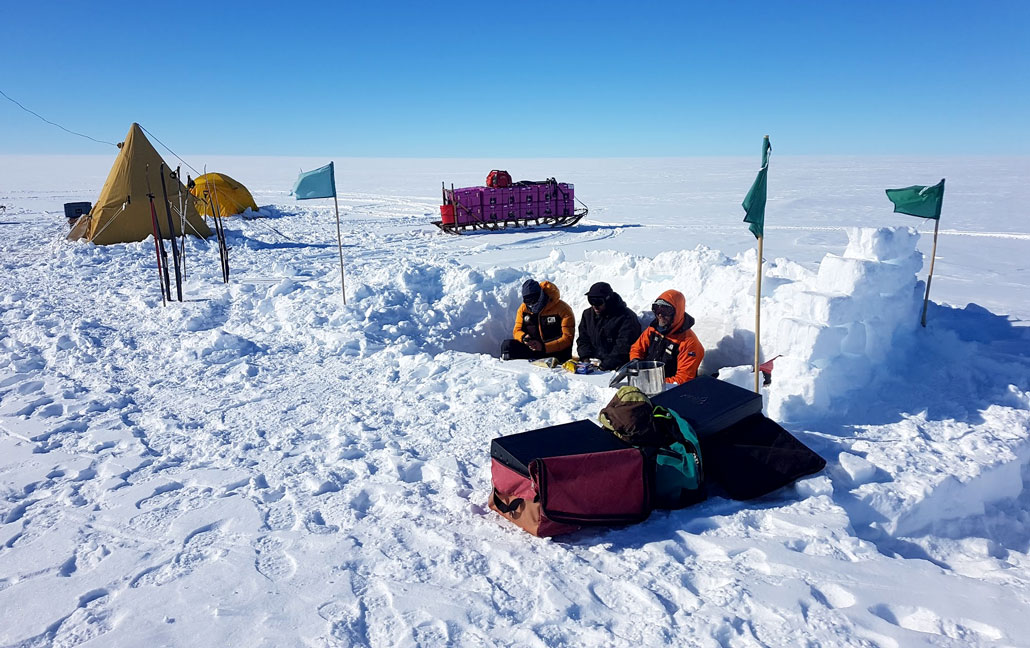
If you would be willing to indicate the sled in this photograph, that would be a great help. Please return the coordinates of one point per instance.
(527, 203)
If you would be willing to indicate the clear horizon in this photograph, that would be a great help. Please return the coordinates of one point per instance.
(578, 80)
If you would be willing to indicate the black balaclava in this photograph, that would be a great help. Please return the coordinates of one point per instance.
(533, 296)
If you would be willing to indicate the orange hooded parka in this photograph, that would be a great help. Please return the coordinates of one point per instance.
(678, 347)
(555, 322)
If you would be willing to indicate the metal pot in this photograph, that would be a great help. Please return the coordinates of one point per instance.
(648, 376)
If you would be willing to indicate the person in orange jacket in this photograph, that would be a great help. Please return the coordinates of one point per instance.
(544, 325)
(669, 339)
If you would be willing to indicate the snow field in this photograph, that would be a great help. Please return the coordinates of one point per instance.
(263, 465)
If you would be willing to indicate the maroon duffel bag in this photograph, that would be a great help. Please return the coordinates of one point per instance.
(556, 480)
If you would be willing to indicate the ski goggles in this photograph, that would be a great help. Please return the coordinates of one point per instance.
(663, 310)
(531, 298)
(595, 301)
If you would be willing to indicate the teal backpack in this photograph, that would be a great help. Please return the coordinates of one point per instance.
(668, 440)
(679, 474)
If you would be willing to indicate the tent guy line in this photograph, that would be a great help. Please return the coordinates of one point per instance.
(31, 112)
(99, 141)
(171, 151)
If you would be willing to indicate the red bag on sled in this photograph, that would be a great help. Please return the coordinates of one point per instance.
(556, 480)
(498, 178)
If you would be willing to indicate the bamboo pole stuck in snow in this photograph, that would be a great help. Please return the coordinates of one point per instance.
(758, 314)
(339, 244)
(933, 257)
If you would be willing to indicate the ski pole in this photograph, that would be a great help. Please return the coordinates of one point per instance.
(171, 233)
(163, 263)
(182, 220)
(223, 249)
(157, 250)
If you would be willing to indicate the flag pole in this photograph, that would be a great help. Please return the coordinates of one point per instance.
(758, 311)
(933, 257)
(339, 243)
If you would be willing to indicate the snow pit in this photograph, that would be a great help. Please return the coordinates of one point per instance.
(832, 327)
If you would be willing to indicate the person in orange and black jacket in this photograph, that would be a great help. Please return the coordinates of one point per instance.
(544, 325)
(669, 339)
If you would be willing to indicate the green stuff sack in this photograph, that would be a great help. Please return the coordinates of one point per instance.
(679, 473)
(630, 416)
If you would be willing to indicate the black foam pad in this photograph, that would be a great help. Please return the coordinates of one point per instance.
(709, 404)
(756, 456)
(517, 451)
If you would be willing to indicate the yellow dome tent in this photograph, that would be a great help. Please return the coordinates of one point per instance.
(122, 211)
(230, 196)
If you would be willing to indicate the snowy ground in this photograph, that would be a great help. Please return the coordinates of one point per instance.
(263, 466)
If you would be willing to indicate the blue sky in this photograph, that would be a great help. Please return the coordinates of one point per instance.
(529, 79)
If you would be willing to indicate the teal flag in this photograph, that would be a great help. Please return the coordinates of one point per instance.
(754, 201)
(320, 183)
(918, 200)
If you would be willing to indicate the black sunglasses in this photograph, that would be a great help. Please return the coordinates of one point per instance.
(531, 298)
(595, 301)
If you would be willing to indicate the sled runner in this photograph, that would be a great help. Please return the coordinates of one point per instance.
(502, 204)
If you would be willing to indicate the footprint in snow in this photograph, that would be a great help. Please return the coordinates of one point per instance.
(315, 523)
(200, 546)
(272, 560)
(280, 515)
(32, 528)
(91, 618)
(628, 598)
(346, 621)
(159, 495)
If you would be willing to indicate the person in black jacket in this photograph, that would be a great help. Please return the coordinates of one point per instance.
(607, 329)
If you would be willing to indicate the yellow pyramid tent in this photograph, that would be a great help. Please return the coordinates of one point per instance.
(218, 188)
(122, 212)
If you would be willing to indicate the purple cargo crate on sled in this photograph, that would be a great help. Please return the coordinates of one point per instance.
(526, 203)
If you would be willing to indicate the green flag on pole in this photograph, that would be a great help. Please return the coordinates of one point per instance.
(918, 200)
(754, 201)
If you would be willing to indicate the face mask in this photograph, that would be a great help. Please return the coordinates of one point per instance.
(535, 305)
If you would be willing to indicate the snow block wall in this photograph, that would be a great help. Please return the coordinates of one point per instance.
(836, 327)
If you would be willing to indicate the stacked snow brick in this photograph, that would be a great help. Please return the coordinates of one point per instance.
(837, 326)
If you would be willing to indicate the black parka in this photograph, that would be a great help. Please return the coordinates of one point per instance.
(608, 336)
